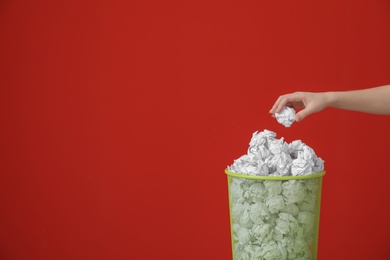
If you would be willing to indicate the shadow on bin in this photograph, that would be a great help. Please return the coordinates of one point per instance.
(274, 217)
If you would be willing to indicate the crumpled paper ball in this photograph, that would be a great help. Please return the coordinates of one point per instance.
(259, 212)
(286, 117)
(293, 191)
(273, 187)
(242, 234)
(262, 233)
(241, 214)
(275, 203)
(255, 192)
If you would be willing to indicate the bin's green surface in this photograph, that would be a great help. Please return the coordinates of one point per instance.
(274, 217)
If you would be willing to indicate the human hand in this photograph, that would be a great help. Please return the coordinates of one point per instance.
(310, 102)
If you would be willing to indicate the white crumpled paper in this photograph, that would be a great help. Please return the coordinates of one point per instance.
(268, 155)
(274, 219)
(286, 117)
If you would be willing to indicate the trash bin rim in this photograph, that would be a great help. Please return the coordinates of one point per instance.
(275, 178)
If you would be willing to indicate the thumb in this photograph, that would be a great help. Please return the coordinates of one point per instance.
(302, 114)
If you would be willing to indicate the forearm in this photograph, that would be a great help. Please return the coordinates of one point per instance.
(372, 100)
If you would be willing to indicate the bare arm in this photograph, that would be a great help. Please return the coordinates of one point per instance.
(371, 100)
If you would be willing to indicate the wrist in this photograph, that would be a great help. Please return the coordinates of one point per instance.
(330, 98)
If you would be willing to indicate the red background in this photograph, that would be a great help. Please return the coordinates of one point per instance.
(118, 119)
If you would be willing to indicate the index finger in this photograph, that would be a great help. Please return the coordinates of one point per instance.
(279, 104)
